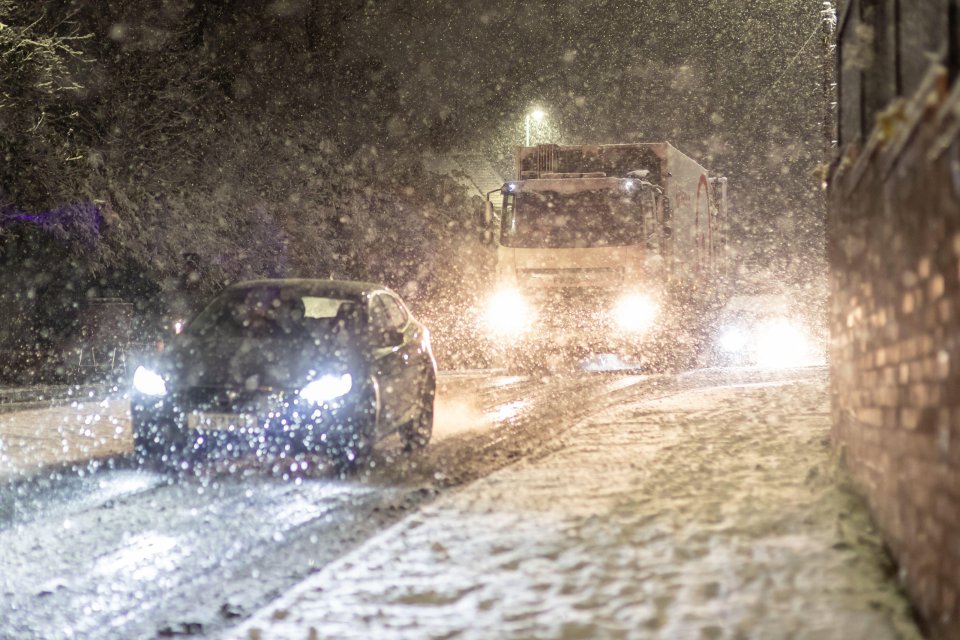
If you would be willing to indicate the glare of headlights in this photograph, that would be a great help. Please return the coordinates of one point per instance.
(733, 340)
(634, 312)
(507, 314)
(782, 343)
(327, 388)
(148, 383)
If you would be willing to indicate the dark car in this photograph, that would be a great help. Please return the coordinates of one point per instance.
(286, 367)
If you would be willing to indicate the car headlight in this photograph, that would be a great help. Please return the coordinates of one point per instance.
(634, 312)
(148, 383)
(327, 388)
(507, 314)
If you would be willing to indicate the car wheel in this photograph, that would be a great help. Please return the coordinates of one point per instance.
(416, 434)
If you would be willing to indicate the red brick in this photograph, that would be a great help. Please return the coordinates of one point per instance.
(947, 510)
(871, 417)
(895, 325)
(909, 418)
(945, 311)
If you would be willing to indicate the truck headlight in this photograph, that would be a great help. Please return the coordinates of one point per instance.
(507, 314)
(634, 312)
(148, 383)
(327, 388)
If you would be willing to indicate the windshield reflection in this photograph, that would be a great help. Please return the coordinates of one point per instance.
(595, 218)
(273, 313)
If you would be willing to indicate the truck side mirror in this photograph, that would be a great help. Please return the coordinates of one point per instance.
(667, 218)
(648, 212)
(487, 219)
(487, 214)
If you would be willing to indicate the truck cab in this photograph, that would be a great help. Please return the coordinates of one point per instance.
(586, 260)
(579, 259)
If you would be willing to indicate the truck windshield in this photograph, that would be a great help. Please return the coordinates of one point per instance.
(596, 218)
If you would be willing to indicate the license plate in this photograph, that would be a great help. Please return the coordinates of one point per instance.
(220, 421)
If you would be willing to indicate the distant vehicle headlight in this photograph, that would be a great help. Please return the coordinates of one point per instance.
(733, 339)
(327, 388)
(783, 343)
(634, 312)
(507, 314)
(148, 383)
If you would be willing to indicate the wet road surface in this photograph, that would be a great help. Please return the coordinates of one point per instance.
(108, 550)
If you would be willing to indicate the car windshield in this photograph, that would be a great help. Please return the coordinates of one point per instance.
(273, 312)
(595, 218)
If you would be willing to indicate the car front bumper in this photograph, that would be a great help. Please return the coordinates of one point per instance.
(194, 420)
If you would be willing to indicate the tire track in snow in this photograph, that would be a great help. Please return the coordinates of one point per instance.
(128, 553)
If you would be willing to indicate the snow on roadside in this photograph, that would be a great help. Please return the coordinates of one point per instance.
(86, 429)
(709, 513)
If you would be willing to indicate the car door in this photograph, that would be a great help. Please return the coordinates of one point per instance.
(391, 357)
(414, 359)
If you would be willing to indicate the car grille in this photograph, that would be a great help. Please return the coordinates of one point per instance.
(218, 399)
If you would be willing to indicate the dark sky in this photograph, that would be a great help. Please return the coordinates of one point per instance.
(230, 101)
(737, 84)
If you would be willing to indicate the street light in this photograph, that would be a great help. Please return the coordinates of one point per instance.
(537, 115)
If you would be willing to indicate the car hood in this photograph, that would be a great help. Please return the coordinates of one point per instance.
(253, 364)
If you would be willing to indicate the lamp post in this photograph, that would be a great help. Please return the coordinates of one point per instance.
(537, 115)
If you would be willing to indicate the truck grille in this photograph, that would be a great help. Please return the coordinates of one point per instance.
(571, 308)
(585, 277)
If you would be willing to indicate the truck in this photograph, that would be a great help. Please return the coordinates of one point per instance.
(604, 249)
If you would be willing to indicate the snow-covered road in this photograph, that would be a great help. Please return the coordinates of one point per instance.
(78, 431)
(108, 550)
(710, 511)
(578, 505)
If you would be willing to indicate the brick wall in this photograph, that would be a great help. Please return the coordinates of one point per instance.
(894, 250)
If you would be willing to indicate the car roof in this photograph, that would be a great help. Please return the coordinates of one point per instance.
(314, 286)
